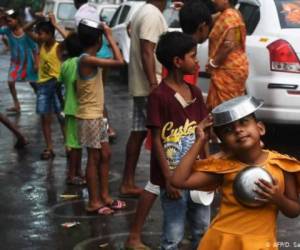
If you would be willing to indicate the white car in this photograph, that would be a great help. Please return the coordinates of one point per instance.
(273, 48)
(119, 24)
(64, 11)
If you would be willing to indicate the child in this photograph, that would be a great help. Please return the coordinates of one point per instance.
(68, 75)
(49, 68)
(92, 126)
(174, 109)
(23, 56)
(195, 20)
(236, 226)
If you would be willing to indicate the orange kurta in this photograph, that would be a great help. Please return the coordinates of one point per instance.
(236, 226)
(229, 79)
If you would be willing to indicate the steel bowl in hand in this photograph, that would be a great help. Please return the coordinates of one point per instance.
(244, 185)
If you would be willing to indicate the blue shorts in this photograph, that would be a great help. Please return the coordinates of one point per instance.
(47, 101)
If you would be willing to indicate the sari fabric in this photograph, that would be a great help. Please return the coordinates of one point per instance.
(229, 79)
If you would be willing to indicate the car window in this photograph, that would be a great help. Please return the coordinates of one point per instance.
(49, 7)
(288, 13)
(106, 14)
(172, 17)
(66, 11)
(124, 14)
(251, 16)
(114, 19)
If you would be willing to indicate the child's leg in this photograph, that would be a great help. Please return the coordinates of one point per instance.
(92, 178)
(104, 173)
(145, 203)
(7, 123)
(13, 91)
(74, 167)
(46, 120)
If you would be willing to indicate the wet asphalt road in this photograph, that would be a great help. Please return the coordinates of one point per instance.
(32, 209)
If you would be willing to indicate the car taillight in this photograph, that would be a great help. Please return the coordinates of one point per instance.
(283, 57)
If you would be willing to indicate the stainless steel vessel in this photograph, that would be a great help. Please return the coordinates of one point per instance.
(244, 185)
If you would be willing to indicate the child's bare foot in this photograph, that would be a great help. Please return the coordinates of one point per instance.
(16, 110)
(99, 209)
(21, 143)
(130, 191)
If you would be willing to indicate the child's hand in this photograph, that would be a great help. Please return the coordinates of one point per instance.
(177, 5)
(39, 15)
(107, 30)
(172, 193)
(52, 18)
(202, 130)
(268, 192)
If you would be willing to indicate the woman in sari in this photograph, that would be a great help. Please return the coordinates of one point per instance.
(228, 63)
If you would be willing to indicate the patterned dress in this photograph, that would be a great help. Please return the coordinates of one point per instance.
(22, 62)
(229, 79)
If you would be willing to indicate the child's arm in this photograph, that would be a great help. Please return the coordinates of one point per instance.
(183, 176)
(172, 192)
(28, 30)
(112, 62)
(286, 202)
(60, 29)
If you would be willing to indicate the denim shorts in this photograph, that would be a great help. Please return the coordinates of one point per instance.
(47, 101)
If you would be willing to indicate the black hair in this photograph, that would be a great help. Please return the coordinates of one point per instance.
(89, 36)
(46, 27)
(78, 3)
(192, 14)
(72, 46)
(16, 15)
(172, 44)
(233, 2)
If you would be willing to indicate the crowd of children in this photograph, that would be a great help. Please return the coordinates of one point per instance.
(179, 125)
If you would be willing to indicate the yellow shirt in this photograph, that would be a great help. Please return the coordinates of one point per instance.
(237, 227)
(90, 96)
(49, 66)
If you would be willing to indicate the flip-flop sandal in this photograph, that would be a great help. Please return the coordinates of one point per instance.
(117, 205)
(104, 210)
(47, 154)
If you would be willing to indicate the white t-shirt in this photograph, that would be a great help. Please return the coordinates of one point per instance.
(147, 24)
(88, 11)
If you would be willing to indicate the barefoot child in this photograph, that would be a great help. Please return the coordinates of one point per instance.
(23, 60)
(195, 20)
(236, 226)
(71, 49)
(92, 127)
